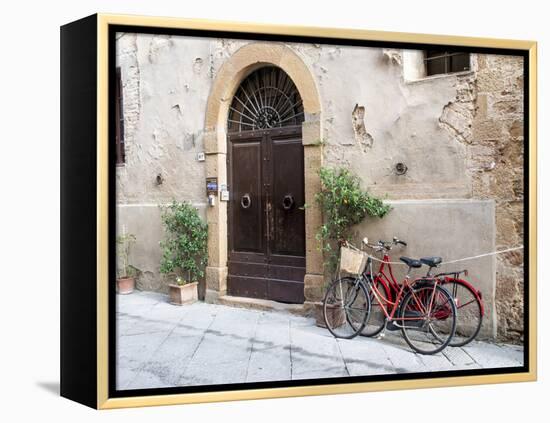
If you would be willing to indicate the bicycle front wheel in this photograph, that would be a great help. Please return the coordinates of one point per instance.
(420, 318)
(346, 307)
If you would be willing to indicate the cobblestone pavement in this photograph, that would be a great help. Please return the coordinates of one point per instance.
(162, 345)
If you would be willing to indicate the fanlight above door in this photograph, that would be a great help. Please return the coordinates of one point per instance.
(267, 98)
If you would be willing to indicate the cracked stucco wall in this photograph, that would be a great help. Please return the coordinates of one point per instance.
(457, 135)
(401, 118)
(165, 87)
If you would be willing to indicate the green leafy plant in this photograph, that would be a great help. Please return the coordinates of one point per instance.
(343, 204)
(184, 250)
(124, 242)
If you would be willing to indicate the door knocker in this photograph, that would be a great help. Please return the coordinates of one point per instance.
(288, 202)
(245, 201)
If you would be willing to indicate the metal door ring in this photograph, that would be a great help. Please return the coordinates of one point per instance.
(245, 201)
(288, 202)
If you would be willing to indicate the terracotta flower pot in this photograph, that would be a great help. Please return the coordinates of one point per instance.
(183, 294)
(335, 316)
(125, 285)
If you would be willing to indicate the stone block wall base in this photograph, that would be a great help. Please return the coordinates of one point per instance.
(314, 287)
(309, 308)
(260, 304)
(212, 296)
(216, 278)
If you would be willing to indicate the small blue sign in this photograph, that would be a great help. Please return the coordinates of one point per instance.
(211, 186)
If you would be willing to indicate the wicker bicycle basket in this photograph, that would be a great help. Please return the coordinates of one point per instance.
(352, 261)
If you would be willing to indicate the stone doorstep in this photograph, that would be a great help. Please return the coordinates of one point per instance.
(264, 305)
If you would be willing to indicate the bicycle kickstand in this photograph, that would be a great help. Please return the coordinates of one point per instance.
(383, 332)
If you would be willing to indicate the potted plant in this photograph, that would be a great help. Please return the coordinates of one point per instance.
(344, 204)
(126, 281)
(184, 250)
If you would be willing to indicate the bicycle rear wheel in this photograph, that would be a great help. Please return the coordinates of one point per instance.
(469, 312)
(422, 329)
(346, 307)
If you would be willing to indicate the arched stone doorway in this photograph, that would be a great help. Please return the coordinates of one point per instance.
(243, 63)
(266, 215)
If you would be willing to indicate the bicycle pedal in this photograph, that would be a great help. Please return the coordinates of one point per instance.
(392, 326)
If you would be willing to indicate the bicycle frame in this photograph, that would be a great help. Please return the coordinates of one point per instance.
(386, 303)
(390, 283)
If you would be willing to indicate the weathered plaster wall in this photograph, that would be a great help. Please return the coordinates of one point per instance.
(421, 224)
(460, 137)
(165, 87)
(401, 120)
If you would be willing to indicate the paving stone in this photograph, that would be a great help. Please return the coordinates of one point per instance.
(197, 319)
(492, 355)
(136, 303)
(320, 373)
(436, 362)
(134, 310)
(515, 352)
(270, 350)
(125, 376)
(400, 354)
(214, 373)
(124, 323)
(168, 312)
(364, 356)
(133, 351)
(146, 325)
(162, 345)
(140, 297)
(155, 375)
(461, 359)
(313, 350)
(168, 363)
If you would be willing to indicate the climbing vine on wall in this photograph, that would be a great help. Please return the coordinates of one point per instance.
(344, 204)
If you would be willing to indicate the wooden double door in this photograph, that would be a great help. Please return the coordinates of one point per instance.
(266, 217)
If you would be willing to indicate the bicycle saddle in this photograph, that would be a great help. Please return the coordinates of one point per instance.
(411, 262)
(431, 261)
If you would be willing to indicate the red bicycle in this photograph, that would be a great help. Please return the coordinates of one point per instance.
(468, 300)
(417, 309)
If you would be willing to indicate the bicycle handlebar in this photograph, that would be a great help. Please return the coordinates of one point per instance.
(384, 245)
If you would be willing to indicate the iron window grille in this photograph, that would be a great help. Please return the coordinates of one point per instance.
(267, 98)
(441, 62)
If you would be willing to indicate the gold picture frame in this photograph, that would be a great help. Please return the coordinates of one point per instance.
(103, 216)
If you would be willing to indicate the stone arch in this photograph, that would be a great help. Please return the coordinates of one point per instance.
(244, 61)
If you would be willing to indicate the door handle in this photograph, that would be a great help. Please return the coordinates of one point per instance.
(246, 201)
(288, 202)
(268, 228)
